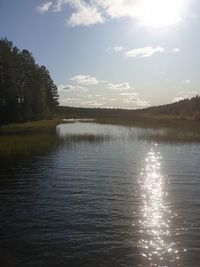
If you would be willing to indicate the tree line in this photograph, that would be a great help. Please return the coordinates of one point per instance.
(186, 108)
(27, 91)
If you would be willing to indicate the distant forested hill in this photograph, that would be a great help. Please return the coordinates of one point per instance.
(187, 108)
(27, 91)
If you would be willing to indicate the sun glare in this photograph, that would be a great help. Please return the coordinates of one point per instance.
(160, 13)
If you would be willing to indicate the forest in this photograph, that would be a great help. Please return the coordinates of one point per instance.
(187, 109)
(27, 91)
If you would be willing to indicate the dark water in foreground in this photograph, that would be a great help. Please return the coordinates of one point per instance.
(109, 201)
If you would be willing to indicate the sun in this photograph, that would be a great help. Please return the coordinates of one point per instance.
(160, 13)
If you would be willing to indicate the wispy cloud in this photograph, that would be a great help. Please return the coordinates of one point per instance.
(59, 4)
(115, 49)
(85, 79)
(186, 81)
(84, 14)
(137, 101)
(119, 86)
(175, 50)
(44, 7)
(69, 87)
(98, 11)
(129, 94)
(92, 103)
(184, 95)
(177, 99)
(111, 94)
(144, 52)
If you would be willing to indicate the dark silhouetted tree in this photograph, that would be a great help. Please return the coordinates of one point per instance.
(27, 91)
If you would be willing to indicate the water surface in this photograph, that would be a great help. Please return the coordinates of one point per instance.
(105, 198)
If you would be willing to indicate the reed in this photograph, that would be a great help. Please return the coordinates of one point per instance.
(25, 145)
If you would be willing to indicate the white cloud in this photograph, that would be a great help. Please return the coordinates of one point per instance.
(69, 101)
(184, 95)
(59, 5)
(44, 7)
(132, 97)
(137, 101)
(92, 103)
(118, 86)
(177, 99)
(111, 94)
(85, 79)
(175, 50)
(147, 51)
(115, 49)
(186, 82)
(84, 14)
(118, 48)
(89, 12)
(69, 87)
(129, 94)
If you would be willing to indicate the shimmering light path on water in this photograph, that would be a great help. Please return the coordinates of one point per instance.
(157, 244)
(103, 199)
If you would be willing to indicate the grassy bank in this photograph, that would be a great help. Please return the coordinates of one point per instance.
(33, 126)
(24, 139)
(25, 145)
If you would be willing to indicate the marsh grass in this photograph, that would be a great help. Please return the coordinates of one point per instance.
(87, 138)
(171, 136)
(33, 126)
(25, 145)
(23, 140)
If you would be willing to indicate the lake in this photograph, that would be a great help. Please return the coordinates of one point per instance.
(108, 196)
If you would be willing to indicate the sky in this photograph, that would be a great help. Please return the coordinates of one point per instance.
(111, 53)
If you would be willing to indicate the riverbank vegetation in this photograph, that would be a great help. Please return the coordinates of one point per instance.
(27, 91)
(184, 110)
(24, 145)
(30, 127)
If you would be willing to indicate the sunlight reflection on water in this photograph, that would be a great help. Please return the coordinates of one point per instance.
(156, 243)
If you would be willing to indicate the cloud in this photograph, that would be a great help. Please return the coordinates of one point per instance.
(118, 48)
(115, 49)
(44, 7)
(84, 14)
(118, 86)
(59, 5)
(85, 79)
(69, 87)
(69, 101)
(137, 101)
(175, 50)
(144, 52)
(177, 99)
(184, 95)
(92, 103)
(90, 12)
(186, 82)
(132, 97)
(129, 94)
(111, 94)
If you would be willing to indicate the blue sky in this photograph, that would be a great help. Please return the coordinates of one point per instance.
(111, 53)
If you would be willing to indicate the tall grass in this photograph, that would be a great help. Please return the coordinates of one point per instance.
(33, 126)
(25, 145)
(171, 135)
